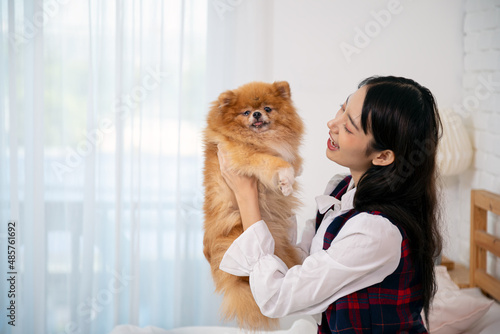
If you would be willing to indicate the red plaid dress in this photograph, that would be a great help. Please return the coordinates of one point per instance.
(391, 306)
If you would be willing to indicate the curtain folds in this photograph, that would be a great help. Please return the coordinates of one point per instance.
(101, 109)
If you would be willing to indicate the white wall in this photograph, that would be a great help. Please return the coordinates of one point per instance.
(480, 108)
(421, 40)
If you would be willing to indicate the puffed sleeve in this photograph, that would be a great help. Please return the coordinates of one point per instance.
(304, 246)
(251, 246)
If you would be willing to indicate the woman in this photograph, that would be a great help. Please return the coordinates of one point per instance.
(369, 255)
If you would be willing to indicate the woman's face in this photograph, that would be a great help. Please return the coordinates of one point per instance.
(348, 144)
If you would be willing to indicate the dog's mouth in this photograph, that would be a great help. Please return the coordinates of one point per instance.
(260, 125)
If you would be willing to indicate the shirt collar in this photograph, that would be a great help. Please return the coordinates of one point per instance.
(325, 202)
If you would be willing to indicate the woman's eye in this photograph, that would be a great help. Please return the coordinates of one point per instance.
(345, 127)
(267, 109)
(246, 113)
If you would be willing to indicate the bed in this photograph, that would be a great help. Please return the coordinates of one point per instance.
(471, 308)
(484, 287)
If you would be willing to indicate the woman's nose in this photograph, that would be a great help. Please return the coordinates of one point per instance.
(334, 123)
(330, 123)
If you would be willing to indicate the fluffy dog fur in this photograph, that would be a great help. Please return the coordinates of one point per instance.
(260, 129)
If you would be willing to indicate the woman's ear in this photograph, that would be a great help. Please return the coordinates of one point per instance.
(383, 158)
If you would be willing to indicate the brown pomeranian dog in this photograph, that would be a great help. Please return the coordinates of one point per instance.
(259, 128)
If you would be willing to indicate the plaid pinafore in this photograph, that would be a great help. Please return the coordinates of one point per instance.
(391, 306)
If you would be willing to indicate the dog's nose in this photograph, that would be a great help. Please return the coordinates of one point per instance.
(257, 114)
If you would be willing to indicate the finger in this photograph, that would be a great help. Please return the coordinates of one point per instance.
(220, 154)
(222, 159)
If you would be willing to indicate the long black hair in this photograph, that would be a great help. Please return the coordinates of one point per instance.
(402, 116)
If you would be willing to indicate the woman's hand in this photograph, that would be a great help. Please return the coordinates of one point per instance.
(244, 189)
(241, 185)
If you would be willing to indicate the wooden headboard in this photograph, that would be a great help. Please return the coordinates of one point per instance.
(482, 242)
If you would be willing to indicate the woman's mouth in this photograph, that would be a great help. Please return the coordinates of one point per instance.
(332, 146)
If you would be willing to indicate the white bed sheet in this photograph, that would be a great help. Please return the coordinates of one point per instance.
(302, 325)
(488, 323)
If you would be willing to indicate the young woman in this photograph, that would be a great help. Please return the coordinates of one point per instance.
(369, 254)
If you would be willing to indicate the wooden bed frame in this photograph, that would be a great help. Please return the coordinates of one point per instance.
(482, 242)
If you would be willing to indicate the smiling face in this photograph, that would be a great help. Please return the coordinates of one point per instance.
(348, 145)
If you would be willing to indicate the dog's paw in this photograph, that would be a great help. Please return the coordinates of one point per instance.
(286, 180)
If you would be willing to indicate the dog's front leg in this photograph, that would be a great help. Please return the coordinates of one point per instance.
(272, 171)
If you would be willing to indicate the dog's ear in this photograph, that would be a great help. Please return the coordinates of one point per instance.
(282, 89)
(228, 98)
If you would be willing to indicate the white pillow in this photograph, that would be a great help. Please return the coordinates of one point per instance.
(453, 310)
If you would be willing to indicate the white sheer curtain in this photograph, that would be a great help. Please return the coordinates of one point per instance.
(101, 107)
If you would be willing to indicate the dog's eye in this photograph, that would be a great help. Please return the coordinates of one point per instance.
(267, 109)
(246, 113)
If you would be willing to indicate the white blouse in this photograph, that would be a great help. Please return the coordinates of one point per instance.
(366, 250)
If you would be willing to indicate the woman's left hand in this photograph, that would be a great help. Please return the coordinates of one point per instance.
(244, 189)
(241, 185)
